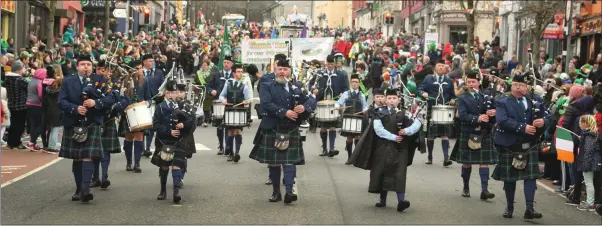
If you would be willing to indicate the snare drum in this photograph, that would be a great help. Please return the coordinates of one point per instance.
(139, 116)
(443, 115)
(326, 111)
(236, 117)
(218, 109)
(352, 125)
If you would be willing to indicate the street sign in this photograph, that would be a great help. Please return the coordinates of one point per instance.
(119, 13)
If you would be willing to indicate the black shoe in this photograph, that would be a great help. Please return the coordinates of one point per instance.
(348, 162)
(268, 182)
(220, 151)
(289, 197)
(137, 168)
(176, 195)
(532, 214)
(381, 203)
(162, 196)
(487, 195)
(508, 212)
(447, 162)
(556, 182)
(324, 153)
(230, 158)
(236, 158)
(105, 184)
(75, 196)
(429, 162)
(466, 193)
(147, 153)
(128, 167)
(403, 205)
(95, 183)
(276, 197)
(87, 197)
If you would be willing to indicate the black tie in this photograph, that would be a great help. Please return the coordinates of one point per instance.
(170, 105)
(83, 83)
(440, 79)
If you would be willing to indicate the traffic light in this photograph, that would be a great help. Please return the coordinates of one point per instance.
(146, 16)
(388, 18)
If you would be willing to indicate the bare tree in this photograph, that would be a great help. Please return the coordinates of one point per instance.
(469, 11)
(537, 15)
(51, 5)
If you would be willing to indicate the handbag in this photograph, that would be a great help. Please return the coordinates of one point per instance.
(474, 142)
(167, 152)
(519, 161)
(80, 133)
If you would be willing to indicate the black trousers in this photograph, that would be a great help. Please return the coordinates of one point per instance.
(17, 126)
(34, 120)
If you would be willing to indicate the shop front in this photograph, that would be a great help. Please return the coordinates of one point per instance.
(591, 37)
(8, 8)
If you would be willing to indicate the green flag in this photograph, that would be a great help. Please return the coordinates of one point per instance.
(226, 49)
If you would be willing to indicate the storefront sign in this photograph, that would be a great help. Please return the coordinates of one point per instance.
(8, 5)
(93, 3)
(555, 30)
(591, 26)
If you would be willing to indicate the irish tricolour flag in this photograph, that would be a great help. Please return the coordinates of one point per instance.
(564, 145)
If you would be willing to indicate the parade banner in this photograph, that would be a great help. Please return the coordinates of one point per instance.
(261, 51)
(312, 48)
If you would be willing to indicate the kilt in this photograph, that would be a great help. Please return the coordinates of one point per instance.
(179, 158)
(124, 127)
(335, 124)
(91, 148)
(110, 137)
(265, 152)
(217, 122)
(464, 155)
(439, 130)
(505, 172)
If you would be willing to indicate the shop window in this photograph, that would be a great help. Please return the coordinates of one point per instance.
(457, 34)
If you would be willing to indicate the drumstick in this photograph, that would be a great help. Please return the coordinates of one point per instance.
(357, 113)
(238, 104)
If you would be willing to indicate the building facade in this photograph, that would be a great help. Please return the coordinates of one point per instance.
(9, 8)
(589, 30)
(69, 13)
(332, 13)
(450, 20)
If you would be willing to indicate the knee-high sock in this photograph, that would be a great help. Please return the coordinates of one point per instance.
(149, 139)
(289, 177)
(220, 137)
(229, 144)
(332, 135)
(184, 170)
(484, 173)
(275, 172)
(348, 147)
(96, 174)
(87, 170)
(163, 178)
(106, 161)
(127, 148)
(138, 148)
(401, 196)
(466, 177)
(509, 189)
(238, 141)
(323, 135)
(530, 187)
(383, 196)
(445, 146)
(176, 174)
(429, 145)
(76, 168)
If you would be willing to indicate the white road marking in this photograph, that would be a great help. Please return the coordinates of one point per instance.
(6, 172)
(17, 166)
(546, 186)
(201, 147)
(30, 172)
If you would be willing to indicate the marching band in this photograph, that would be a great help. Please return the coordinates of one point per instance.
(133, 100)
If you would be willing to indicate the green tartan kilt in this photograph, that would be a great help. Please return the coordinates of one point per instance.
(110, 137)
(464, 155)
(505, 172)
(124, 127)
(179, 158)
(265, 152)
(217, 122)
(91, 148)
(439, 130)
(335, 124)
